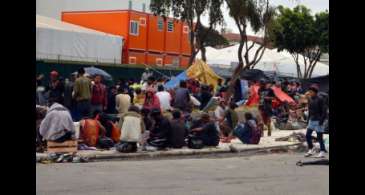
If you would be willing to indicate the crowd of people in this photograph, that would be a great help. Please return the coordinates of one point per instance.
(133, 114)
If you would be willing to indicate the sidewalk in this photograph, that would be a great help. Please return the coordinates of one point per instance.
(266, 143)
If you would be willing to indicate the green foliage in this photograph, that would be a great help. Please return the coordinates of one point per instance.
(297, 30)
(213, 37)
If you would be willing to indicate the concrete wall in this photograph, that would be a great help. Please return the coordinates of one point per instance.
(53, 8)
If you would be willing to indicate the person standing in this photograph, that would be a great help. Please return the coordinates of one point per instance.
(56, 88)
(99, 97)
(151, 101)
(266, 95)
(205, 96)
(82, 94)
(182, 97)
(111, 100)
(317, 111)
(165, 98)
(122, 101)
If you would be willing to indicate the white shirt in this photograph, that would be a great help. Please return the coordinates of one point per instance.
(165, 99)
(219, 112)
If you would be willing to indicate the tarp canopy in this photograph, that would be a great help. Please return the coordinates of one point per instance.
(199, 71)
(59, 40)
(279, 94)
(281, 63)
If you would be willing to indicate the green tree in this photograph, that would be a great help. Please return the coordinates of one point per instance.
(259, 15)
(213, 39)
(191, 11)
(302, 35)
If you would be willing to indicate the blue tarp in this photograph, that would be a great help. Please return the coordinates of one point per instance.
(176, 81)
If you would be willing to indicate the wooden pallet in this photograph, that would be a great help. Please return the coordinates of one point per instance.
(65, 147)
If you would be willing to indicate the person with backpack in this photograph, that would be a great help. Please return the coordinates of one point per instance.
(317, 112)
(250, 131)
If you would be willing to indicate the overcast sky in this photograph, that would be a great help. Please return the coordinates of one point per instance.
(314, 5)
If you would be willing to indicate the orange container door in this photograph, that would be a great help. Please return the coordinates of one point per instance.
(156, 34)
(173, 36)
(137, 31)
(185, 40)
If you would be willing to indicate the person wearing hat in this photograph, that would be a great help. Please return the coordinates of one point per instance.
(317, 111)
(55, 88)
(266, 95)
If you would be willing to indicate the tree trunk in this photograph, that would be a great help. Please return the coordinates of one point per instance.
(192, 57)
(203, 54)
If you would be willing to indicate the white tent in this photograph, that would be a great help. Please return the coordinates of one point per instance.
(279, 62)
(64, 41)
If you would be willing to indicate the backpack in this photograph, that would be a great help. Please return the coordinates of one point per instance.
(90, 132)
(116, 132)
(105, 142)
(195, 142)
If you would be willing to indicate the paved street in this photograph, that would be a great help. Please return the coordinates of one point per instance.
(262, 174)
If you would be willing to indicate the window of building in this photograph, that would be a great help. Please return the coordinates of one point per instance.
(170, 26)
(185, 29)
(132, 60)
(159, 61)
(130, 4)
(134, 28)
(176, 61)
(160, 24)
(143, 7)
(142, 21)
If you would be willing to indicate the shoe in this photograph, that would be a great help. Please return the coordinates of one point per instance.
(320, 155)
(310, 153)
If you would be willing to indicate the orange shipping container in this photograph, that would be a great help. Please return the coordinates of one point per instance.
(172, 60)
(136, 57)
(131, 25)
(156, 33)
(173, 35)
(184, 61)
(185, 40)
(155, 59)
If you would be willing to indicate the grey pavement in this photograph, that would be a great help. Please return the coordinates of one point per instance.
(274, 174)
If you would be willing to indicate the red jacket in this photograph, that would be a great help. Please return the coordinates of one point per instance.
(99, 95)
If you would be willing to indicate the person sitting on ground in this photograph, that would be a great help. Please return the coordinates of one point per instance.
(206, 130)
(178, 132)
(139, 98)
(249, 132)
(122, 101)
(229, 123)
(151, 101)
(91, 130)
(159, 132)
(57, 125)
(164, 98)
(132, 126)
